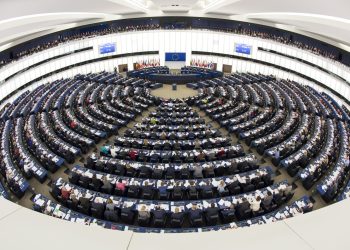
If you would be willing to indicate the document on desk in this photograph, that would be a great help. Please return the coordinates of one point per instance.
(189, 205)
(221, 202)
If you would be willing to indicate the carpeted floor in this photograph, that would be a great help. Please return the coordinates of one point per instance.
(167, 92)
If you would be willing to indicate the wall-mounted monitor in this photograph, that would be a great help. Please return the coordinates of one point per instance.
(107, 48)
(243, 48)
(175, 57)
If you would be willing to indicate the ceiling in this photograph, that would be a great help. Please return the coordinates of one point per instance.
(21, 20)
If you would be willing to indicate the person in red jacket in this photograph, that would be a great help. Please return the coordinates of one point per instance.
(221, 153)
(65, 193)
(133, 154)
(73, 124)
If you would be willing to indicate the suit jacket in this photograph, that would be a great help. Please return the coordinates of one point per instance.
(85, 202)
(147, 189)
(159, 214)
(98, 206)
(212, 211)
(267, 200)
(178, 216)
(195, 214)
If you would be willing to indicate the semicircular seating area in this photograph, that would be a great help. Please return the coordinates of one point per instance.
(101, 149)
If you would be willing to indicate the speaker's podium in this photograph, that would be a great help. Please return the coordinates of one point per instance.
(174, 86)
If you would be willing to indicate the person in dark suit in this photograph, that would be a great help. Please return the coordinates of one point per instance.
(195, 215)
(145, 171)
(127, 215)
(107, 187)
(97, 183)
(98, 207)
(212, 214)
(177, 217)
(212, 210)
(147, 191)
(228, 213)
(84, 181)
(159, 213)
(84, 201)
(267, 201)
(243, 209)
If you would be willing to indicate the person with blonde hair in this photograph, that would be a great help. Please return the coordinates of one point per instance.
(144, 214)
(221, 187)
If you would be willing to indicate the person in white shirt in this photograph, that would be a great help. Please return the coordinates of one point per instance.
(113, 152)
(27, 168)
(255, 204)
(221, 187)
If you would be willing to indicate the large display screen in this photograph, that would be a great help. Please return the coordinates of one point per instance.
(243, 48)
(107, 48)
(175, 57)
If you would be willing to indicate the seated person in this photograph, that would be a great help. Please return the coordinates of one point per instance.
(97, 207)
(104, 150)
(97, 183)
(201, 156)
(153, 121)
(159, 214)
(195, 215)
(74, 198)
(211, 155)
(197, 144)
(147, 191)
(127, 215)
(84, 201)
(176, 145)
(221, 187)
(221, 153)
(144, 171)
(243, 209)
(163, 190)
(144, 215)
(130, 171)
(110, 206)
(211, 214)
(177, 192)
(107, 186)
(162, 136)
(228, 213)
(177, 217)
(65, 193)
(120, 185)
(255, 204)
(206, 191)
(133, 154)
(113, 152)
(267, 201)
(197, 171)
